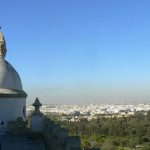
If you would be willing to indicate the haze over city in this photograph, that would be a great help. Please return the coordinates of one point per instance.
(80, 51)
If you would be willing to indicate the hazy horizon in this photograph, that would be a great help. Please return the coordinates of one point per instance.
(79, 51)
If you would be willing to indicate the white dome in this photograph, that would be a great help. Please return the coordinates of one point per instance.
(9, 78)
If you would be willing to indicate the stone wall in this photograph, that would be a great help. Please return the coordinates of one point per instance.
(57, 138)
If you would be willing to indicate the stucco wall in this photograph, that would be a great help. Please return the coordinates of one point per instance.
(37, 123)
(10, 109)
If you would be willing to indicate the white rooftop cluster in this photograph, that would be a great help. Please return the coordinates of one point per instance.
(93, 109)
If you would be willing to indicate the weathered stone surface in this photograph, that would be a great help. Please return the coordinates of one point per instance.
(58, 138)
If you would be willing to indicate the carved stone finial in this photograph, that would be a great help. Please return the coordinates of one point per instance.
(3, 49)
(37, 106)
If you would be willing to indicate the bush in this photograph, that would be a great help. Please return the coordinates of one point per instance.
(145, 139)
(108, 145)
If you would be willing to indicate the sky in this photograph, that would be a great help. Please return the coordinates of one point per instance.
(79, 51)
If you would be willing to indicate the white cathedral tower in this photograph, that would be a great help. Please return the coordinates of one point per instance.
(12, 96)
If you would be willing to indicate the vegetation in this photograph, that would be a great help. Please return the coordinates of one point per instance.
(125, 133)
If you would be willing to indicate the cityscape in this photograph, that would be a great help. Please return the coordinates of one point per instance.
(75, 75)
(94, 110)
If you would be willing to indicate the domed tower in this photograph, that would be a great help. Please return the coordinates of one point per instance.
(12, 96)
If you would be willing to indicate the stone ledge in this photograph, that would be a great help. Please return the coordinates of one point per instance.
(12, 94)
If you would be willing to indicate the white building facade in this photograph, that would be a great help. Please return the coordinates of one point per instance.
(12, 96)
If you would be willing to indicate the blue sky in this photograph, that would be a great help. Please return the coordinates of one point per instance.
(80, 51)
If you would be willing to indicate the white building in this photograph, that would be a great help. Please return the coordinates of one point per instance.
(12, 96)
